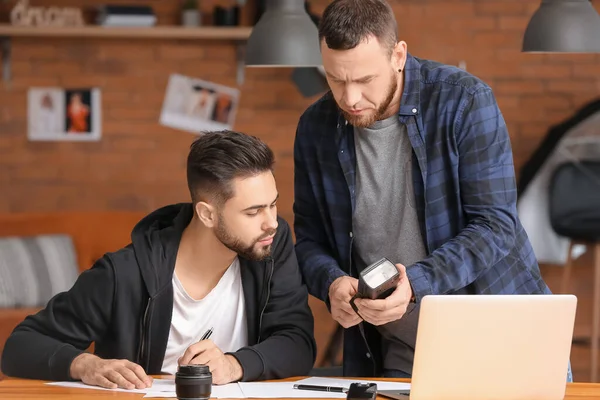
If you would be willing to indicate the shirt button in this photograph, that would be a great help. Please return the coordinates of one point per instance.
(368, 355)
(414, 110)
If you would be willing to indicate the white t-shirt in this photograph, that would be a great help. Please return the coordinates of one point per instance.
(223, 310)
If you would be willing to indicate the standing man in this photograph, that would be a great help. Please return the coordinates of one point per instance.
(408, 159)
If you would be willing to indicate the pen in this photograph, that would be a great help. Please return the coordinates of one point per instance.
(207, 334)
(321, 388)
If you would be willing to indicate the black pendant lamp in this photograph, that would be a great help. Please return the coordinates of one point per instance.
(567, 26)
(284, 36)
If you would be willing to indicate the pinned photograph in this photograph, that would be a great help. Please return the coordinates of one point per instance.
(56, 114)
(196, 105)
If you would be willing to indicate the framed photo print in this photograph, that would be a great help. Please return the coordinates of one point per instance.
(196, 105)
(59, 114)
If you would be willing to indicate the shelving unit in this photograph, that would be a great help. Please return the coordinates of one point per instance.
(237, 35)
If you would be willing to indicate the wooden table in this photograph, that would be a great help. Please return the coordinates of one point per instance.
(20, 389)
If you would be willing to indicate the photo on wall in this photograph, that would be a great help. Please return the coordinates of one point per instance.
(64, 114)
(196, 105)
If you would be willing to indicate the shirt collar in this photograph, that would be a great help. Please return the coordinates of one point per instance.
(409, 104)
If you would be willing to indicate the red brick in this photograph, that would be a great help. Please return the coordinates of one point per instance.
(28, 50)
(546, 71)
(591, 71)
(35, 175)
(445, 10)
(571, 58)
(502, 7)
(547, 102)
(508, 39)
(469, 23)
(132, 114)
(217, 51)
(57, 68)
(105, 67)
(19, 82)
(499, 70)
(508, 101)
(167, 51)
(531, 130)
(139, 50)
(570, 86)
(521, 115)
(512, 23)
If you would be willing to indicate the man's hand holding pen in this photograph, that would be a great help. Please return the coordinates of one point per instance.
(224, 368)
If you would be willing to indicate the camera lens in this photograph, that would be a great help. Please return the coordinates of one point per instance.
(193, 382)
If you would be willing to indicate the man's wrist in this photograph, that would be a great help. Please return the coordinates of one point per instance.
(77, 365)
(237, 372)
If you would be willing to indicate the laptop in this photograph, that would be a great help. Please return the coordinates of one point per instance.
(491, 347)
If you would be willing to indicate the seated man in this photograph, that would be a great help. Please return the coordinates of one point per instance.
(224, 263)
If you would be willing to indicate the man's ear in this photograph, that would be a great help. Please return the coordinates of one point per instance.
(399, 55)
(206, 214)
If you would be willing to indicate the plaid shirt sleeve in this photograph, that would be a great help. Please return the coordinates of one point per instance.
(318, 267)
(488, 194)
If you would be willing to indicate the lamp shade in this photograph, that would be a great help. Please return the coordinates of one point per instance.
(570, 26)
(284, 36)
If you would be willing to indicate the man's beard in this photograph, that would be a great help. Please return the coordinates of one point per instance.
(364, 121)
(235, 244)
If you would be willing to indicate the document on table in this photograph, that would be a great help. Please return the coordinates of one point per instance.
(165, 388)
(158, 385)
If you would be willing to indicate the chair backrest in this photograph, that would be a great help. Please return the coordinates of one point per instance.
(574, 200)
(94, 233)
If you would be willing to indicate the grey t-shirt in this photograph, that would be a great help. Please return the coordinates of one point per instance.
(385, 222)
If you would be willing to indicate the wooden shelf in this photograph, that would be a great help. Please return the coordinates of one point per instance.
(155, 32)
(235, 34)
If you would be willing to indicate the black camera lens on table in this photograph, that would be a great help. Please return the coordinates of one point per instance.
(193, 382)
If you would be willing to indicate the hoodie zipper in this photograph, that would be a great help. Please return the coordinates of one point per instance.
(143, 351)
(267, 300)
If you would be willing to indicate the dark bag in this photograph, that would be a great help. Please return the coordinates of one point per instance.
(575, 200)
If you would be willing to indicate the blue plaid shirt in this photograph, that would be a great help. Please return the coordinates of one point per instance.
(464, 183)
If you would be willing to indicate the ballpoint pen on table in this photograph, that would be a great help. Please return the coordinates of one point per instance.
(321, 388)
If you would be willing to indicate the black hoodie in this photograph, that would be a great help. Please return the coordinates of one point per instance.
(124, 303)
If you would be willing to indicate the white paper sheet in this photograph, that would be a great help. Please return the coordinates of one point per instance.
(158, 385)
(165, 388)
(229, 391)
(162, 388)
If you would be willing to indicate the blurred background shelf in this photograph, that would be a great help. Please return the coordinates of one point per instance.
(155, 32)
(235, 34)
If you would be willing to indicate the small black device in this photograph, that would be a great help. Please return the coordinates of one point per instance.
(193, 382)
(378, 280)
(362, 391)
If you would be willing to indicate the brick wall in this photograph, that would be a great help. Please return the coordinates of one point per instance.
(139, 165)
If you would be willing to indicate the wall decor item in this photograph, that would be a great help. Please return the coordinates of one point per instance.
(196, 105)
(59, 114)
(25, 15)
(226, 16)
(190, 14)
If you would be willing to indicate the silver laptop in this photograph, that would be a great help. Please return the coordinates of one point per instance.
(492, 347)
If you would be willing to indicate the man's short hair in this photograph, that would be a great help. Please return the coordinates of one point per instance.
(217, 158)
(346, 23)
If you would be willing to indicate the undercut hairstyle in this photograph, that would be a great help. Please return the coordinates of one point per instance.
(217, 158)
(346, 23)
